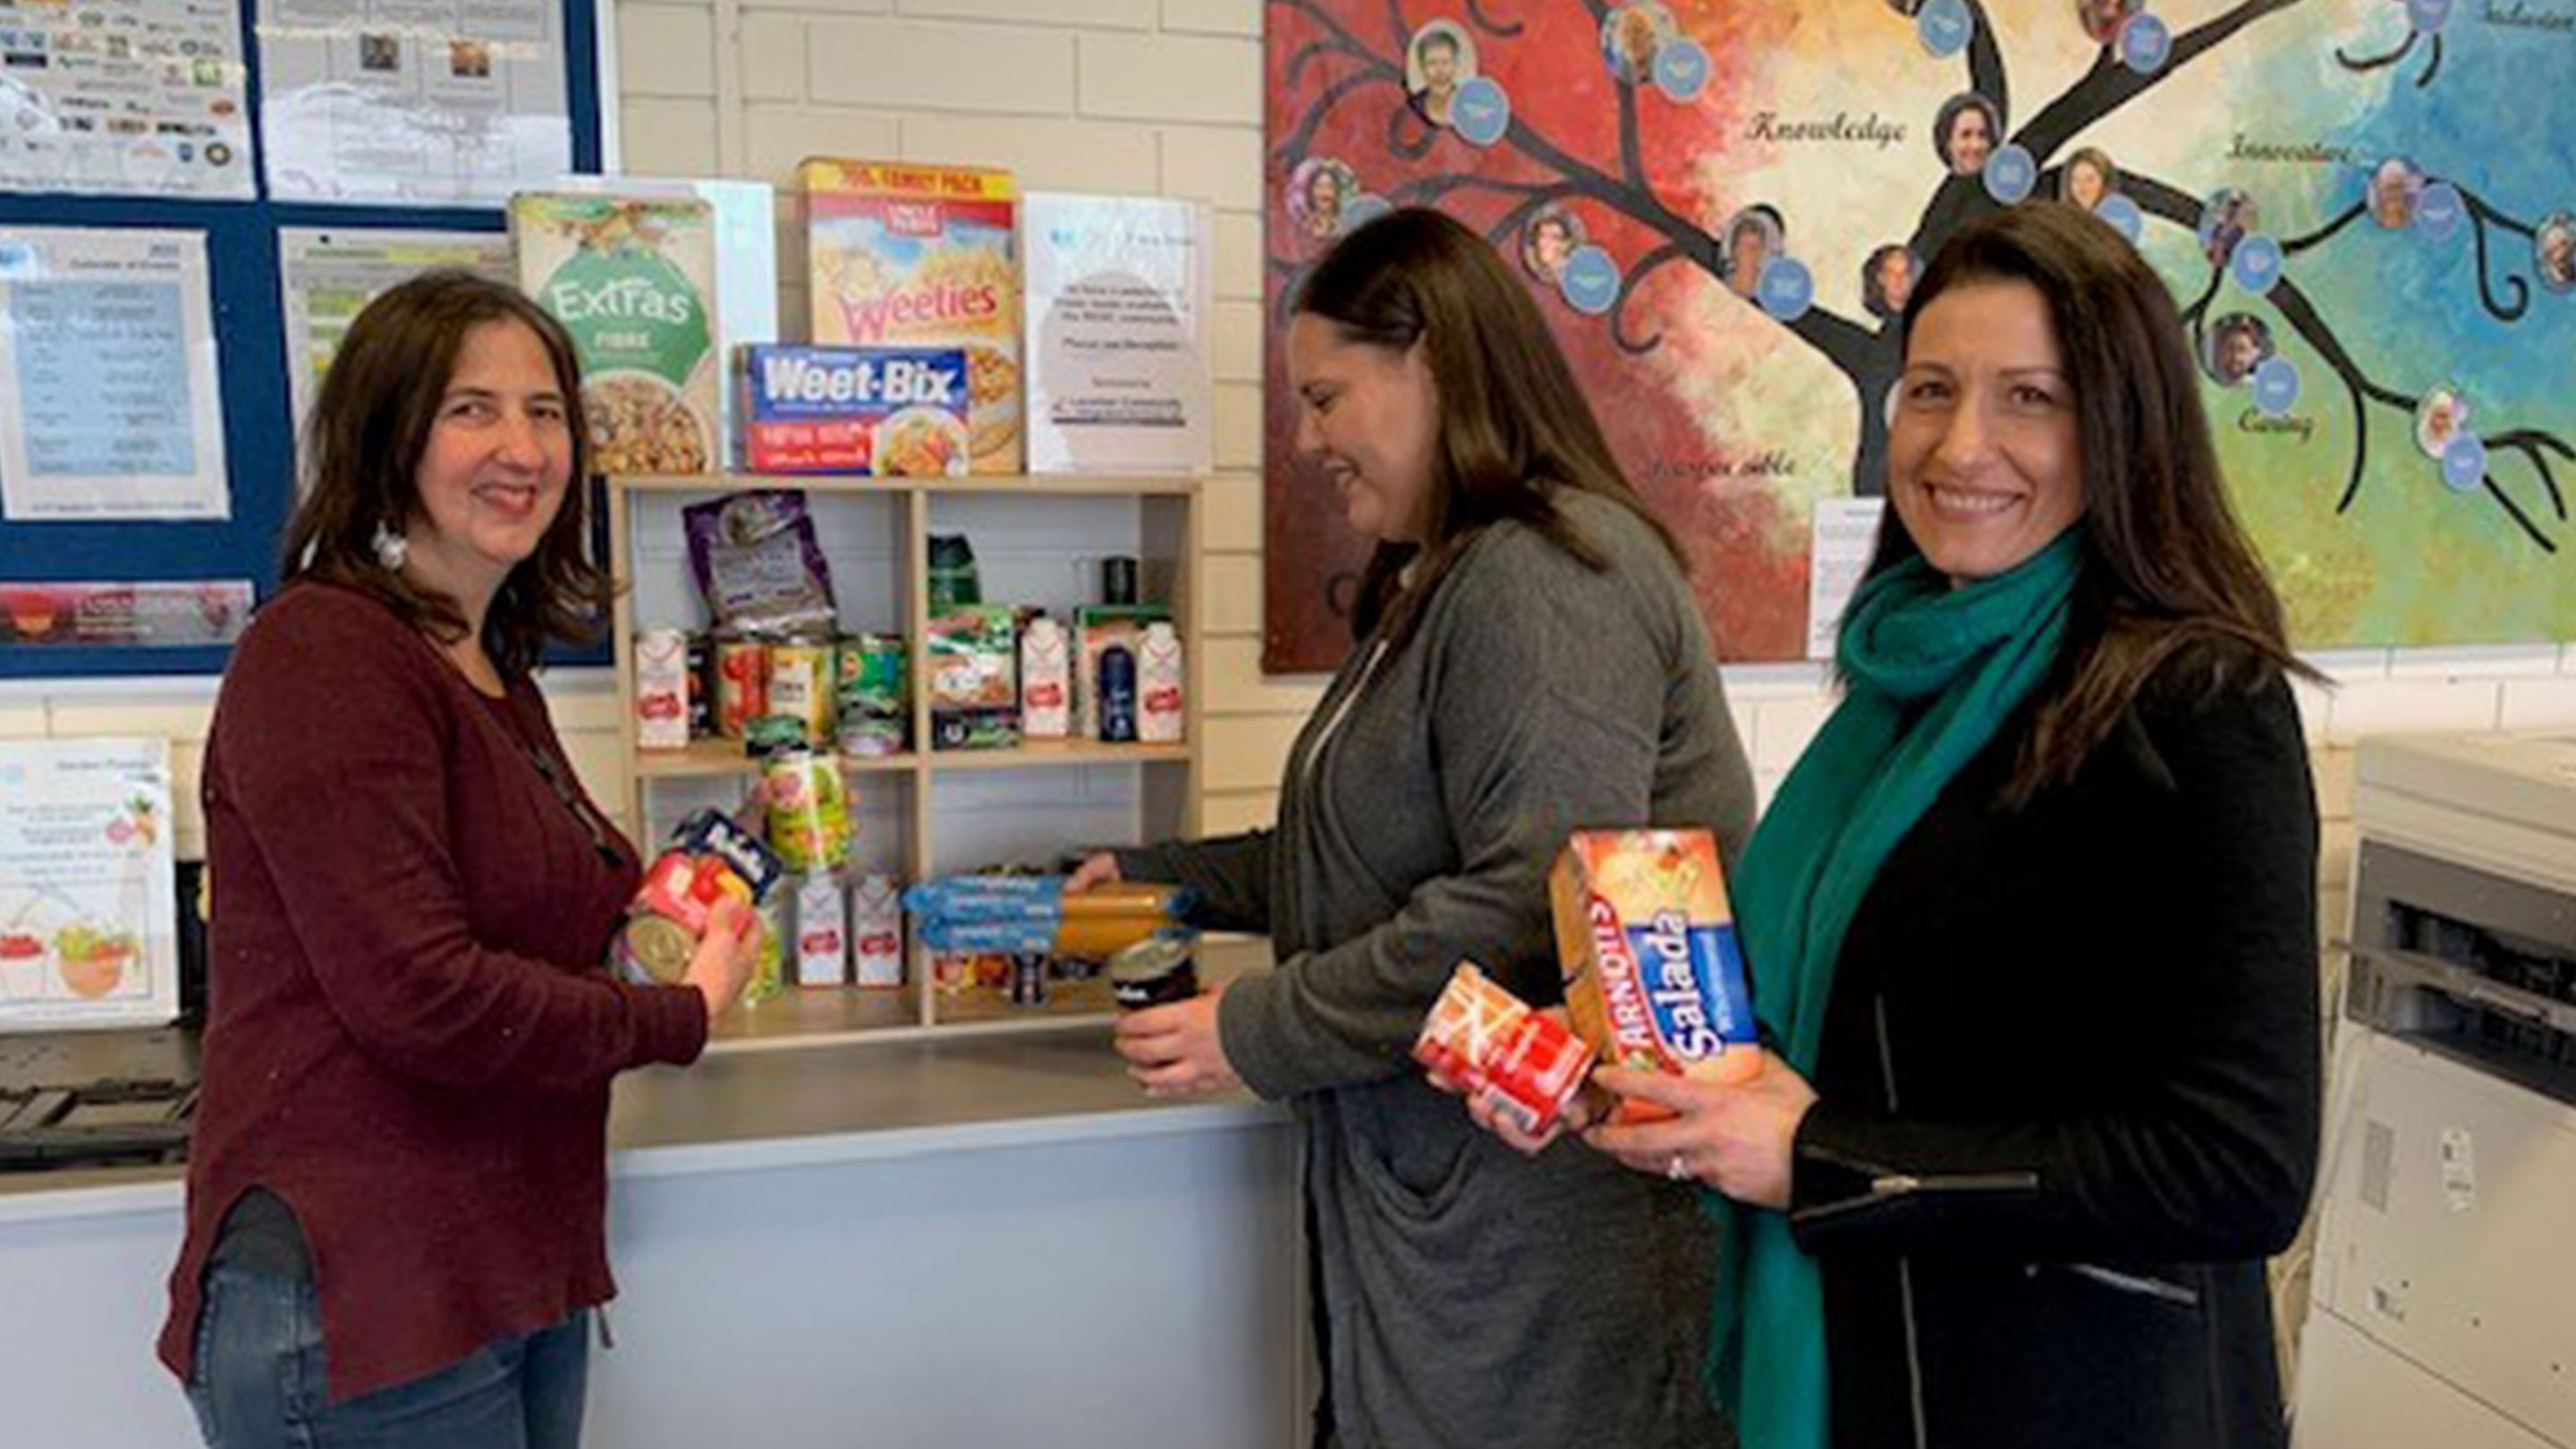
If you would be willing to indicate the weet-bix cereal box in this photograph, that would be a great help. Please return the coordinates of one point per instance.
(1654, 976)
(890, 411)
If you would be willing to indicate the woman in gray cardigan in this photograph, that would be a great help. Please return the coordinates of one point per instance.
(1530, 662)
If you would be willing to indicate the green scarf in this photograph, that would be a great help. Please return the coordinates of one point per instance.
(1930, 673)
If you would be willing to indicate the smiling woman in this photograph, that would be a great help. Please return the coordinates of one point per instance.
(410, 1037)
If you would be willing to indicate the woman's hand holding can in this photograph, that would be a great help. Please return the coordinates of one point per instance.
(726, 956)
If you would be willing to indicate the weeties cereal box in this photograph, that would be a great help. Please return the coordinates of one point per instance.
(1486, 1040)
(1653, 975)
(633, 280)
(923, 256)
(889, 411)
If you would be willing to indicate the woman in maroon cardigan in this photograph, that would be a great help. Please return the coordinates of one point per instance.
(397, 1185)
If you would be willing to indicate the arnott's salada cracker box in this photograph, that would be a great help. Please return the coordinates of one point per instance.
(1654, 976)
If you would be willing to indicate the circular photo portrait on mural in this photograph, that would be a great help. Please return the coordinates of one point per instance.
(1753, 237)
(2441, 419)
(1318, 191)
(2396, 185)
(2088, 179)
(2226, 218)
(1441, 59)
(1966, 132)
(2238, 343)
(2553, 251)
(1630, 36)
(1549, 242)
(1887, 280)
(2102, 19)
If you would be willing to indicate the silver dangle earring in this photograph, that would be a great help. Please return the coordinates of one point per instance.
(391, 548)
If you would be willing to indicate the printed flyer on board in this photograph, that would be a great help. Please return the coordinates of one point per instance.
(1119, 294)
(88, 892)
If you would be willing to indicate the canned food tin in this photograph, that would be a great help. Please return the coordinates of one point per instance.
(809, 813)
(655, 950)
(1524, 1064)
(1152, 972)
(769, 974)
(801, 684)
(702, 686)
(742, 683)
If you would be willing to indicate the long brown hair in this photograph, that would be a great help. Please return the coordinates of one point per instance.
(2168, 573)
(1513, 423)
(363, 448)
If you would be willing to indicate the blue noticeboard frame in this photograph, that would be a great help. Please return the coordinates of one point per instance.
(250, 342)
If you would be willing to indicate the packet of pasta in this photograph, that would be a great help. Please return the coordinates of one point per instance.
(1654, 977)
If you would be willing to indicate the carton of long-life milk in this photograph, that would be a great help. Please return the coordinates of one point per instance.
(1654, 976)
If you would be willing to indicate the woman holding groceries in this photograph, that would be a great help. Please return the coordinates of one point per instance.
(397, 1182)
(2032, 924)
(1528, 661)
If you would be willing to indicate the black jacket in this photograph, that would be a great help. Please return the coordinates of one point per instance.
(2069, 1094)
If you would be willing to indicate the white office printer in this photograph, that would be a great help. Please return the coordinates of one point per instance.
(2444, 1307)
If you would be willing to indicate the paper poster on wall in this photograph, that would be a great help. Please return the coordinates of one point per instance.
(413, 102)
(109, 403)
(330, 276)
(88, 897)
(127, 97)
(1846, 534)
(1118, 298)
(158, 615)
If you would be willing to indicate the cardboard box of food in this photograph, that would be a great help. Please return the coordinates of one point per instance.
(894, 412)
(633, 280)
(1654, 976)
(903, 255)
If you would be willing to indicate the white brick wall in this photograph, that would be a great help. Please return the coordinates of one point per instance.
(1163, 97)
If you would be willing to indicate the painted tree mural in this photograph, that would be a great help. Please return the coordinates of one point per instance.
(1725, 201)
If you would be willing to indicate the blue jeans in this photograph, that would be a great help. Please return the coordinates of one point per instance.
(259, 1382)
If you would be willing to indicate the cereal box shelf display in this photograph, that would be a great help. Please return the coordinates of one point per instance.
(919, 810)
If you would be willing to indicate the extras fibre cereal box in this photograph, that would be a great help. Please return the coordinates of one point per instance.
(633, 280)
(903, 255)
(1654, 977)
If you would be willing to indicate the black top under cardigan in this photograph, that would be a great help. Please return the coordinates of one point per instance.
(2069, 1096)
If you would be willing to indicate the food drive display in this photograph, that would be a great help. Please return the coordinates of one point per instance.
(1654, 981)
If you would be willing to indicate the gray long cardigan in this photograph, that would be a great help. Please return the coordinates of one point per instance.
(1469, 1296)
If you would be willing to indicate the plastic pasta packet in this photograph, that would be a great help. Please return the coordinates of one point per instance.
(757, 562)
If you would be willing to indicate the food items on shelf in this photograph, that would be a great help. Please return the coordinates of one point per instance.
(1160, 685)
(662, 689)
(1654, 976)
(893, 412)
(633, 281)
(973, 655)
(923, 256)
(876, 931)
(872, 695)
(822, 929)
(1046, 680)
(757, 563)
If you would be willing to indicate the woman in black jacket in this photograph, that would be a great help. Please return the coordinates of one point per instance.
(2033, 922)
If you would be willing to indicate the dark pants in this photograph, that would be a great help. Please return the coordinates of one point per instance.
(259, 1382)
